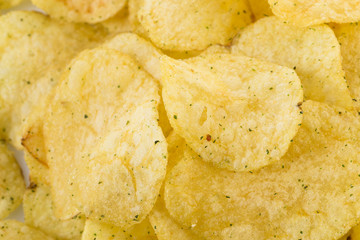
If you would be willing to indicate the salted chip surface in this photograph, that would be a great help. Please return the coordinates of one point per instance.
(349, 38)
(106, 152)
(15, 230)
(39, 213)
(311, 12)
(12, 185)
(39, 172)
(81, 10)
(140, 231)
(34, 50)
(260, 8)
(313, 52)
(4, 4)
(171, 24)
(236, 112)
(312, 193)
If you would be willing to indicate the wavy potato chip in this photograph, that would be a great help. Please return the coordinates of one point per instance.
(236, 112)
(312, 193)
(39, 213)
(34, 50)
(15, 230)
(101, 231)
(39, 172)
(12, 185)
(311, 12)
(81, 10)
(4, 4)
(106, 151)
(192, 25)
(260, 8)
(313, 52)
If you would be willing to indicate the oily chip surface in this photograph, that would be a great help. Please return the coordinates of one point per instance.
(311, 12)
(106, 152)
(312, 193)
(192, 25)
(15, 230)
(313, 52)
(236, 112)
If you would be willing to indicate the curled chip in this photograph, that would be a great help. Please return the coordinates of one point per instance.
(39, 172)
(349, 38)
(312, 193)
(81, 10)
(260, 8)
(236, 112)
(4, 4)
(314, 53)
(102, 231)
(106, 152)
(12, 185)
(192, 25)
(14, 230)
(45, 47)
(311, 12)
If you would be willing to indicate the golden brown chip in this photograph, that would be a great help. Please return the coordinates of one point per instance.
(39, 172)
(12, 185)
(106, 152)
(311, 12)
(236, 112)
(14, 230)
(312, 193)
(314, 53)
(260, 8)
(192, 25)
(81, 10)
(4, 4)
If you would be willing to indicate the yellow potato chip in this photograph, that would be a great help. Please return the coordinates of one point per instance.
(355, 233)
(311, 12)
(102, 231)
(134, 7)
(313, 52)
(260, 8)
(15, 230)
(106, 152)
(236, 112)
(4, 4)
(34, 50)
(119, 23)
(349, 38)
(12, 185)
(39, 172)
(81, 10)
(192, 25)
(312, 193)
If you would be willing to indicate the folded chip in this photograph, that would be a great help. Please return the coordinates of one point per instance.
(312, 12)
(4, 4)
(15, 230)
(12, 185)
(192, 25)
(39, 213)
(260, 8)
(236, 112)
(313, 52)
(105, 149)
(312, 193)
(81, 10)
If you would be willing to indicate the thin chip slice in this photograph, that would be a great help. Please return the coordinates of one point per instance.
(15, 230)
(349, 38)
(106, 152)
(81, 10)
(4, 4)
(39, 173)
(236, 112)
(34, 50)
(192, 25)
(311, 12)
(314, 53)
(119, 23)
(39, 213)
(260, 8)
(312, 193)
(101, 231)
(12, 185)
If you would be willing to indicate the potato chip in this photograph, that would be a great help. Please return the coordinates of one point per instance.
(134, 7)
(311, 12)
(39, 172)
(312, 193)
(355, 233)
(236, 112)
(106, 151)
(15, 230)
(101, 231)
(313, 52)
(4, 4)
(39, 213)
(349, 38)
(12, 185)
(260, 8)
(192, 25)
(34, 50)
(119, 23)
(81, 10)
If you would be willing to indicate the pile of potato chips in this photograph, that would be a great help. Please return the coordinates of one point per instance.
(168, 119)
